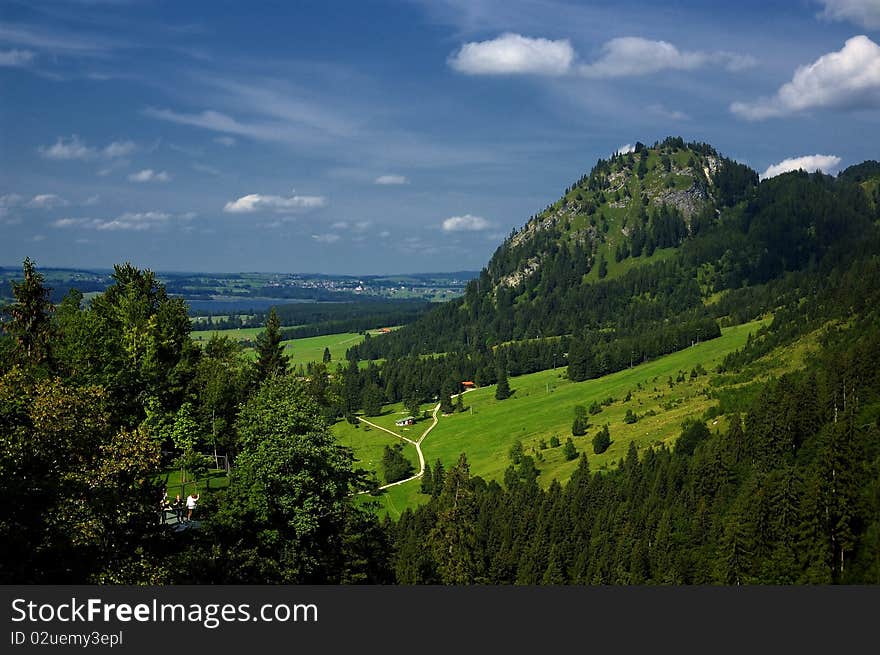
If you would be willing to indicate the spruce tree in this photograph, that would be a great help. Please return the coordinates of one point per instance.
(326, 358)
(30, 321)
(427, 485)
(502, 391)
(271, 360)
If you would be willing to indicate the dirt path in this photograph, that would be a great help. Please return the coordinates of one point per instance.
(417, 443)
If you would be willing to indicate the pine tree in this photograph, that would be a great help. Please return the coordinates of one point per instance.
(602, 440)
(459, 403)
(271, 360)
(580, 424)
(372, 400)
(326, 358)
(427, 484)
(569, 451)
(30, 321)
(502, 391)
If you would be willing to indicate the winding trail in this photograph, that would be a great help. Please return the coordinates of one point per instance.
(417, 443)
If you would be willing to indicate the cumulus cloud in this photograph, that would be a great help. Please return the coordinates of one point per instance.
(809, 163)
(846, 79)
(129, 221)
(862, 12)
(74, 148)
(391, 179)
(629, 56)
(625, 149)
(466, 223)
(15, 58)
(47, 201)
(513, 54)
(326, 238)
(256, 202)
(149, 175)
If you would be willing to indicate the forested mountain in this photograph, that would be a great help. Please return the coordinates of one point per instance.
(674, 233)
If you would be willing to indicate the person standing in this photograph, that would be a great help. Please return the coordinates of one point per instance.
(178, 508)
(191, 501)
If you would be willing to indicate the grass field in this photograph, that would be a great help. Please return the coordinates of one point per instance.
(543, 406)
(214, 480)
(369, 444)
(300, 351)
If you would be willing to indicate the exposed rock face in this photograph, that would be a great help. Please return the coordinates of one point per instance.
(516, 277)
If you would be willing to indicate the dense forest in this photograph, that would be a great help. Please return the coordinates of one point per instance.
(97, 398)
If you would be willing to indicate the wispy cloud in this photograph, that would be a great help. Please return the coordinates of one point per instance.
(809, 163)
(391, 180)
(16, 58)
(625, 149)
(630, 56)
(129, 221)
(846, 79)
(862, 12)
(149, 175)
(513, 54)
(227, 141)
(326, 238)
(74, 148)
(56, 42)
(257, 202)
(466, 223)
(47, 201)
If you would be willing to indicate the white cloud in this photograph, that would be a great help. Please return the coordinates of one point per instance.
(72, 148)
(16, 58)
(118, 149)
(75, 148)
(227, 141)
(466, 223)
(91, 201)
(255, 202)
(628, 56)
(391, 179)
(513, 54)
(625, 149)
(47, 201)
(809, 163)
(129, 221)
(149, 175)
(862, 12)
(846, 79)
(326, 238)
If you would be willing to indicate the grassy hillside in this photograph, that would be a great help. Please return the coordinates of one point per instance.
(300, 351)
(542, 406)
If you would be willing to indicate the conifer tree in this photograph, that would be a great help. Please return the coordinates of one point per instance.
(30, 317)
(271, 360)
(502, 391)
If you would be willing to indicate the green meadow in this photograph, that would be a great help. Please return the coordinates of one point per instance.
(300, 351)
(542, 406)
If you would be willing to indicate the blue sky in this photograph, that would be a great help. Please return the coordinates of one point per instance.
(381, 137)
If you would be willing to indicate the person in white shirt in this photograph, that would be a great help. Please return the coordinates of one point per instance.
(191, 501)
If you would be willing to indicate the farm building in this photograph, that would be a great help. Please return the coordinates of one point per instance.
(467, 384)
(409, 420)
